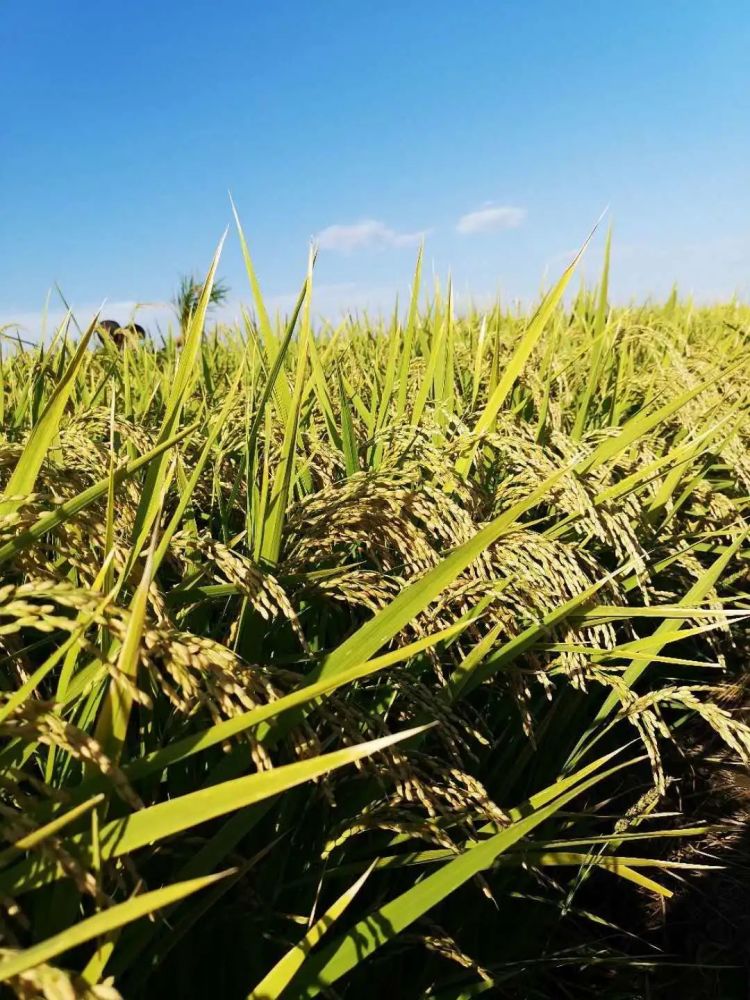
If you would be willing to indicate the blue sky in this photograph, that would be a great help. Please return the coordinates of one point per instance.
(498, 129)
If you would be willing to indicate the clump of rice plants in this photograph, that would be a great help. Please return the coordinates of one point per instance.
(379, 657)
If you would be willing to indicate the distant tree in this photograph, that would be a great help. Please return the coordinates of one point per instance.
(188, 293)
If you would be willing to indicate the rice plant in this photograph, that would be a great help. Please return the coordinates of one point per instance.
(382, 657)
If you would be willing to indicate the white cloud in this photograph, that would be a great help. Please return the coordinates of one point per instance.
(37, 326)
(332, 301)
(491, 217)
(329, 301)
(369, 233)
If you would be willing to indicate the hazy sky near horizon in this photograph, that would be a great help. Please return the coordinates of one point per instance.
(498, 131)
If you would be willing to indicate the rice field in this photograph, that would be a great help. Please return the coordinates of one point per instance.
(399, 657)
